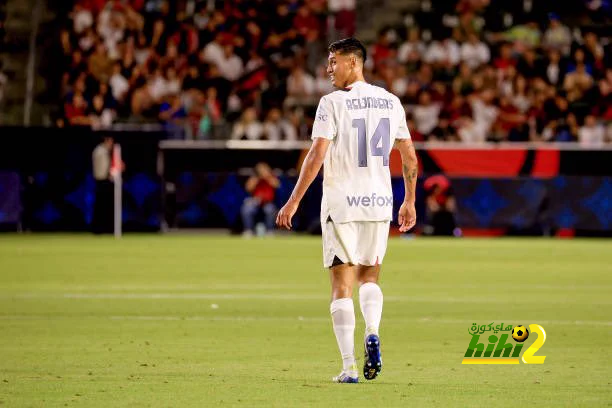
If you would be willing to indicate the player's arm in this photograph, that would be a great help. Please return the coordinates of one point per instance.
(310, 168)
(410, 170)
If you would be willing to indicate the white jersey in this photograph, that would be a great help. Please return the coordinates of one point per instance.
(362, 121)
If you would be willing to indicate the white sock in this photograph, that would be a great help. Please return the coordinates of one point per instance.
(343, 319)
(371, 302)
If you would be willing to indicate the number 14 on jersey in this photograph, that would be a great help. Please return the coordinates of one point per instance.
(379, 143)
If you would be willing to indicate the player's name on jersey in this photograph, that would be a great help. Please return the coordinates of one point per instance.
(367, 102)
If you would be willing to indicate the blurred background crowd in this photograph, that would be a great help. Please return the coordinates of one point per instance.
(467, 70)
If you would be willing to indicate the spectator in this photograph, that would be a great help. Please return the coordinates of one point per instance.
(529, 66)
(275, 127)
(262, 189)
(300, 84)
(484, 115)
(100, 116)
(82, 18)
(382, 49)
(118, 83)
(505, 60)
(474, 52)
(519, 96)
(399, 86)
(443, 132)
(173, 110)
(591, 134)
(87, 41)
(213, 106)
(102, 220)
(444, 52)
(577, 83)
(426, 114)
(75, 111)
(230, 65)
(440, 207)
(555, 72)
(509, 122)
(100, 65)
(344, 16)
(173, 82)
(557, 36)
(412, 49)
(524, 36)
(305, 21)
(248, 127)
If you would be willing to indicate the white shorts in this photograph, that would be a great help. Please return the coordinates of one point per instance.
(359, 242)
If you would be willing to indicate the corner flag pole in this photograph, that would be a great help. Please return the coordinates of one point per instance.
(116, 170)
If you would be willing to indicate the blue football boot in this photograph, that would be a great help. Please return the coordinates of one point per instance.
(372, 363)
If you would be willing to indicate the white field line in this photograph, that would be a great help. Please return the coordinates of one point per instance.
(281, 286)
(391, 320)
(285, 296)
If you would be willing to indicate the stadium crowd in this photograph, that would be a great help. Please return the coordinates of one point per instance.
(254, 69)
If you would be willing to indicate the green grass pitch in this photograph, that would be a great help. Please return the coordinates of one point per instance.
(189, 320)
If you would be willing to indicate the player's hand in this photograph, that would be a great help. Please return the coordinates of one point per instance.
(406, 216)
(283, 218)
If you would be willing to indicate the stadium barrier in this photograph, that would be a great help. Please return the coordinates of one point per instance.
(46, 182)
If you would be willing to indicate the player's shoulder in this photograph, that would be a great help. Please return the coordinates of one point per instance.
(386, 93)
(337, 95)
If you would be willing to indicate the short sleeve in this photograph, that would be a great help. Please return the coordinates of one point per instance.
(402, 130)
(325, 121)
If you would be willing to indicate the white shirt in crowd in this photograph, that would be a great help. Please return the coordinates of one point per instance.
(475, 54)
(442, 51)
(483, 118)
(213, 53)
(362, 123)
(303, 85)
(552, 73)
(408, 48)
(591, 136)
(426, 117)
(337, 5)
(231, 68)
(281, 130)
(248, 131)
(158, 88)
(83, 19)
(119, 85)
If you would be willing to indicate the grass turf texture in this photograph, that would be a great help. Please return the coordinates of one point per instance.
(90, 321)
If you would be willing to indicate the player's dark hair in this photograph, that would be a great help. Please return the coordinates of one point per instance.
(349, 46)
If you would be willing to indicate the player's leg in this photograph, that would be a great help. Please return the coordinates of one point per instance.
(342, 311)
(370, 297)
(343, 277)
(371, 254)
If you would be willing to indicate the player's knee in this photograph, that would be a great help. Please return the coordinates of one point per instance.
(368, 279)
(342, 290)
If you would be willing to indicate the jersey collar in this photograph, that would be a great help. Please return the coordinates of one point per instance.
(351, 86)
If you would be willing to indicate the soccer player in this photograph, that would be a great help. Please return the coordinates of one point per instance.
(353, 132)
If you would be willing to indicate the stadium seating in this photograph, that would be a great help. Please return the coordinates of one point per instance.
(194, 66)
